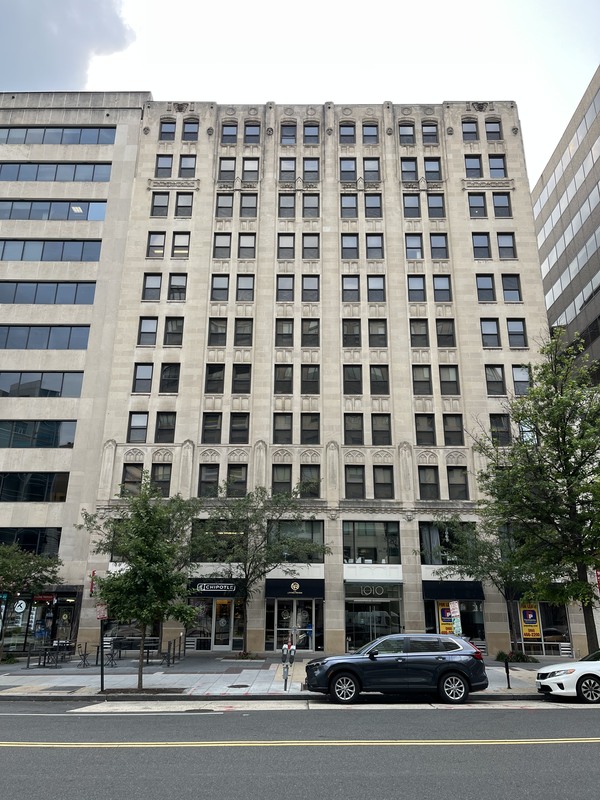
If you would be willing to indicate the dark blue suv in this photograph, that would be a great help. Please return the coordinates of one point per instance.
(447, 665)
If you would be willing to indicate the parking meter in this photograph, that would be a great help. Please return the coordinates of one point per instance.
(284, 654)
(292, 653)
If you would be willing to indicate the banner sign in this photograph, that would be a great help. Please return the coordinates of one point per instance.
(444, 617)
(530, 621)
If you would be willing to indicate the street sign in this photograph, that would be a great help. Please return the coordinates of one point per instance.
(101, 611)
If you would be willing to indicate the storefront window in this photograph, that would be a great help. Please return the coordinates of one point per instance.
(372, 610)
(471, 617)
(371, 543)
(295, 620)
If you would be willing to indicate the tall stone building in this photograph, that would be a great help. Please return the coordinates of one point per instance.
(262, 295)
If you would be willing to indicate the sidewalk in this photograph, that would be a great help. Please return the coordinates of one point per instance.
(209, 676)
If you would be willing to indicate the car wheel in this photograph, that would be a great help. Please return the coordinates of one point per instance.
(453, 688)
(588, 689)
(344, 688)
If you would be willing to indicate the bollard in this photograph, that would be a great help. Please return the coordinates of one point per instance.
(506, 669)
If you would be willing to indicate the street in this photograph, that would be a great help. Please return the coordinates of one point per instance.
(269, 751)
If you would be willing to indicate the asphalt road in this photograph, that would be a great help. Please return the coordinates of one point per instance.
(56, 751)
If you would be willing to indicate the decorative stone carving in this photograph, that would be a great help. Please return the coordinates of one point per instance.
(310, 457)
(133, 455)
(162, 456)
(354, 457)
(383, 457)
(181, 107)
(209, 456)
(427, 458)
(480, 106)
(239, 456)
(456, 458)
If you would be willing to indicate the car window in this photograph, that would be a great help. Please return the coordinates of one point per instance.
(429, 645)
(595, 656)
(450, 644)
(390, 646)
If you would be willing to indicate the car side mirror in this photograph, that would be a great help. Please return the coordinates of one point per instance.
(373, 653)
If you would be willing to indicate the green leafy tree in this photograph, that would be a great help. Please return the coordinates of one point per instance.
(546, 483)
(247, 537)
(23, 572)
(151, 536)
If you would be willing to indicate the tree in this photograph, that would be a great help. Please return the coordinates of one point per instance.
(151, 536)
(546, 483)
(24, 572)
(247, 537)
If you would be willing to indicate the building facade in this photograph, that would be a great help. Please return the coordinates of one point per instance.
(263, 295)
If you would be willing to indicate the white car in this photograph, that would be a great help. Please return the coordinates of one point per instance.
(572, 679)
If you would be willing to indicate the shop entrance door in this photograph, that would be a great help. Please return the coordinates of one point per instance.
(367, 621)
(295, 623)
(222, 624)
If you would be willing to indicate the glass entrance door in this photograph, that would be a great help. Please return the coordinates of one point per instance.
(295, 623)
(222, 624)
(366, 621)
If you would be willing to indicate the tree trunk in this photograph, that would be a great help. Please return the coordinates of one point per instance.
(588, 613)
(245, 624)
(3, 623)
(513, 625)
(140, 683)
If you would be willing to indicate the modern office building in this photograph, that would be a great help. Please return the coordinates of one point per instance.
(566, 209)
(262, 295)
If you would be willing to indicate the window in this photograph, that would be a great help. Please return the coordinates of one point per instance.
(156, 245)
(166, 131)
(165, 427)
(224, 206)
(164, 167)
(310, 379)
(383, 483)
(408, 169)
(419, 334)
(177, 286)
(242, 332)
(373, 206)
(211, 428)
(433, 169)
(506, 245)
(473, 168)
(190, 130)
(493, 130)
(351, 333)
(187, 166)
(349, 245)
(48, 171)
(183, 204)
(481, 245)
(310, 335)
(350, 288)
(379, 379)
(490, 332)
(381, 429)
(222, 245)
(74, 210)
(470, 131)
(287, 206)
(215, 379)
(310, 206)
(353, 429)
(376, 288)
(160, 476)
(247, 245)
(217, 332)
(226, 169)
(377, 333)
(521, 379)
(132, 479)
(429, 483)
(33, 487)
(181, 245)
(309, 428)
(421, 377)
(251, 133)
(498, 167)
(511, 288)
(173, 331)
(458, 485)
(244, 287)
(444, 329)
(229, 133)
(284, 379)
(494, 380)
(311, 133)
(285, 245)
(288, 133)
(370, 133)
(501, 201)
(285, 287)
(407, 133)
(435, 206)
(347, 169)
(239, 428)
(352, 379)
(44, 337)
(355, 482)
(40, 384)
(137, 429)
(429, 132)
(310, 288)
(160, 204)
(449, 380)
(442, 289)
(208, 481)
(477, 205)
(348, 206)
(250, 169)
(414, 246)
(284, 333)
(237, 480)
(48, 292)
(374, 245)
(425, 429)
(287, 169)
(169, 378)
(371, 169)
(310, 169)
(147, 331)
(439, 245)
(453, 430)
(517, 335)
(281, 482)
(486, 291)
(411, 205)
(310, 245)
(282, 428)
(347, 133)
(310, 480)
(241, 376)
(416, 288)
(372, 543)
(151, 287)
(142, 378)
(219, 287)
(500, 429)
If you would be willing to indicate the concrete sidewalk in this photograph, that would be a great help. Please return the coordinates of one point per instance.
(209, 676)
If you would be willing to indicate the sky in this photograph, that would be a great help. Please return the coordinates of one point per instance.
(540, 53)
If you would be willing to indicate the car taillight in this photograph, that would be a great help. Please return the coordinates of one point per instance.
(477, 653)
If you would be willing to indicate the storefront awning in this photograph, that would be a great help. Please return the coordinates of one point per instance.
(294, 587)
(452, 590)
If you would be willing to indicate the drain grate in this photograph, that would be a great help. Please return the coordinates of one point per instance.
(238, 686)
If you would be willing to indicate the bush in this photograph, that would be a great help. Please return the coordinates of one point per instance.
(516, 656)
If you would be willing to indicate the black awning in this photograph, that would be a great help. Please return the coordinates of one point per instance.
(294, 587)
(452, 590)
